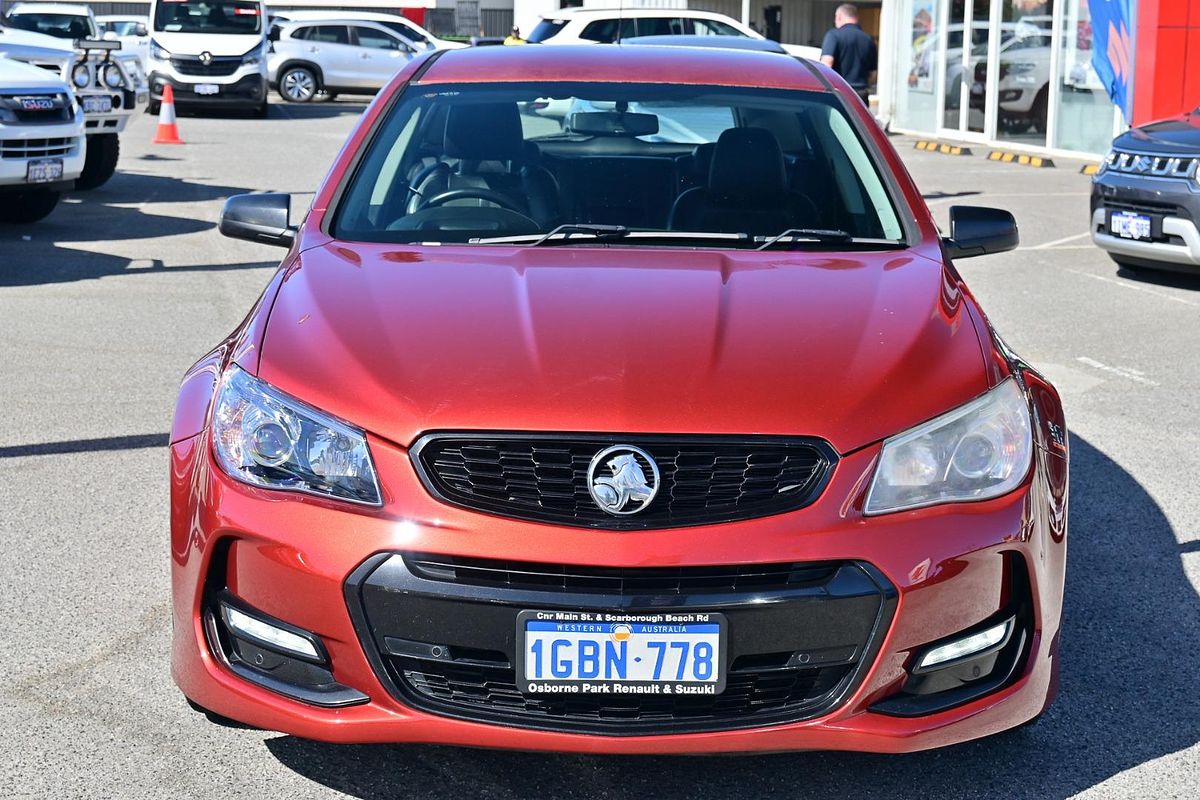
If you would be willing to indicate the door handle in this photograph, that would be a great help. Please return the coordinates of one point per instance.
(365, 55)
(314, 49)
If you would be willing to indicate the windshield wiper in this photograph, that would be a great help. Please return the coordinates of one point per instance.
(565, 234)
(794, 236)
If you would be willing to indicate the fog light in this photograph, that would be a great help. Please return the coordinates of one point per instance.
(968, 645)
(270, 635)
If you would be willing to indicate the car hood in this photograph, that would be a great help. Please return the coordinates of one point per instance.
(1177, 136)
(850, 347)
(193, 44)
(14, 74)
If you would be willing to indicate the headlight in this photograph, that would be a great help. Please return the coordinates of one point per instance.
(157, 52)
(976, 452)
(81, 76)
(253, 57)
(113, 78)
(266, 438)
(1021, 68)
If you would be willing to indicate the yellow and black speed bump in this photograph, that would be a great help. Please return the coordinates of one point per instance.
(943, 148)
(1089, 169)
(1024, 160)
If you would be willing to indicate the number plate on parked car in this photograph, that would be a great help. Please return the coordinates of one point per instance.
(1128, 225)
(576, 652)
(207, 88)
(97, 105)
(44, 170)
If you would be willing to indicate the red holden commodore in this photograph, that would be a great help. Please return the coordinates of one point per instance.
(618, 400)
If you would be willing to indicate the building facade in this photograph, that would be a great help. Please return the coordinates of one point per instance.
(1020, 73)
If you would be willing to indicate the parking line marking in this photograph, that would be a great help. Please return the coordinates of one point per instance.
(1064, 240)
(1124, 372)
(1136, 288)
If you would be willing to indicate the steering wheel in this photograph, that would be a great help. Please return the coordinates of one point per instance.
(476, 194)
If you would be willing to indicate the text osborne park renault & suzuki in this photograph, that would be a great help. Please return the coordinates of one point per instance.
(664, 427)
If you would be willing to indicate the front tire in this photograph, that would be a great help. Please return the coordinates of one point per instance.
(100, 162)
(27, 206)
(298, 85)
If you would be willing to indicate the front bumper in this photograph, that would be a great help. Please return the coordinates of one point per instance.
(20, 144)
(246, 87)
(1173, 200)
(939, 571)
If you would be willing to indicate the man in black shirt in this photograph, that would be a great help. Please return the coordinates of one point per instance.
(850, 51)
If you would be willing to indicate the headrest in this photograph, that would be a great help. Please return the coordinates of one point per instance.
(484, 132)
(747, 163)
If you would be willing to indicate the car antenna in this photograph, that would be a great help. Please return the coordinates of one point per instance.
(620, 19)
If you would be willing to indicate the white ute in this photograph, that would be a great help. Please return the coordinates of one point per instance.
(42, 141)
(109, 84)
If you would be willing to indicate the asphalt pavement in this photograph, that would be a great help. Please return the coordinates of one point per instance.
(104, 304)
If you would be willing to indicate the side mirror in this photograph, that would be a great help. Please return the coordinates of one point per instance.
(979, 231)
(262, 218)
(139, 29)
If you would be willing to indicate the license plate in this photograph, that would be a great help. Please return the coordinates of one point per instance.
(1128, 225)
(97, 105)
(576, 652)
(44, 170)
(207, 88)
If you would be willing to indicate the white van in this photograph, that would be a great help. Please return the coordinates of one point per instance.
(211, 52)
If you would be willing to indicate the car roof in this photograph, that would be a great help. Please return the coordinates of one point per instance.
(292, 24)
(122, 18)
(711, 66)
(51, 8)
(605, 13)
(310, 14)
(730, 42)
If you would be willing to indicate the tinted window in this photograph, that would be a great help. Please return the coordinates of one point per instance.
(545, 30)
(602, 30)
(209, 16)
(369, 37)
(712, 27)
(60, 26)
(332, 34)
(407, 31)
(660, 26)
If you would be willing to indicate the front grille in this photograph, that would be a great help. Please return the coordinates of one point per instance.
(441, 634)
(749, 693)
(219, 66)
(35, 148)
(605, 580)
(703, 479)
(1157, 166)
(60, 110)
(1144, 207)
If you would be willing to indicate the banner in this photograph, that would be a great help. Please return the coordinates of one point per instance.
(1112, 50)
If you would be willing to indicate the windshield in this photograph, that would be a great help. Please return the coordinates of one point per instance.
(460, 162)
(60, 26)
(208, 16)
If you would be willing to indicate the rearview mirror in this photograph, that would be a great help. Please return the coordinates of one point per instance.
(614, 123)
(263, 218)
(979, 231)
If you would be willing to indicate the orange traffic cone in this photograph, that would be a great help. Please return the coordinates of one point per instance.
(168, 131)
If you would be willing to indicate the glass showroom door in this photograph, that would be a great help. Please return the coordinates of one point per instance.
(966, 40)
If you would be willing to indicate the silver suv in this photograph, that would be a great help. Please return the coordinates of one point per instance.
(334, 56)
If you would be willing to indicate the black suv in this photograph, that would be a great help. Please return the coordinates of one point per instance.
(1146, 197)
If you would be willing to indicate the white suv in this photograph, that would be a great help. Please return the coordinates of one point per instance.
(409, 30)
(334, 56)
(609, 25)
(41, 141)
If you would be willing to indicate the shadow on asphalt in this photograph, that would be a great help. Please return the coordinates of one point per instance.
(35, 254)
(1174, 280)
(1128, 696)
